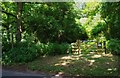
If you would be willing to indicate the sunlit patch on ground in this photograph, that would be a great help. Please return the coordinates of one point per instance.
(108, 55)
(91, 62)
(64, 63)
(96, 56)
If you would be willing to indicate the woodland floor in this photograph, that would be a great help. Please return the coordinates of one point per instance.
(92, 64)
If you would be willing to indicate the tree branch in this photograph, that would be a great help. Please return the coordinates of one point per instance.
(8, 13)
(105, 21)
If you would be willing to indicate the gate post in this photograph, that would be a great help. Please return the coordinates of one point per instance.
(78, 45)
(104, 43)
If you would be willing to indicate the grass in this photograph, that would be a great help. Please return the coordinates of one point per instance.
(85, 64)
(92, 64)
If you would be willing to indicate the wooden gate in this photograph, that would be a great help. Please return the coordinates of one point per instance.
(76, 47)
(89, 45)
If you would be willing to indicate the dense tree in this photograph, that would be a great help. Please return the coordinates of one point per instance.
(12, 13)
(90, 16)
(110, 13)
(46, 22)
(8, 23)
(56, 21)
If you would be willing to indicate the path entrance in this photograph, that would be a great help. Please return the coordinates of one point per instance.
(88, 46)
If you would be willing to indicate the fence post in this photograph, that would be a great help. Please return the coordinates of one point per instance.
(78, 45)
(104, 43)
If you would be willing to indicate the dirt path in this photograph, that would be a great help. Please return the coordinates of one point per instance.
(16, 74)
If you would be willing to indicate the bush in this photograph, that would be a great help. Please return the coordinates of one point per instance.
(22, 53)
(53, 48)
(6, 47)
(61, 48)
(27, 51)
(114, 46)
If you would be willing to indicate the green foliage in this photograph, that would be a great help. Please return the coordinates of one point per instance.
(28, 51)
(53, 48)
(110, 12)
(114, 46)
(6, 46)
(56, 21)
(87, 47)
(99, 28)
(90, 8)
(90, 16)
(21, 53)
(53, 24)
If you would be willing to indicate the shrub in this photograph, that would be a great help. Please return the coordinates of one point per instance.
(27, 51)
(6, 46)
(53, 48)
(114, 46)
(61, 48)
(21, 53)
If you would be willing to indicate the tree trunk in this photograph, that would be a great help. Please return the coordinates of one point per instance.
(19, 22)
(8, 30)
(12, 38)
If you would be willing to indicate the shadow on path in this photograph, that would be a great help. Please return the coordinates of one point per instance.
(16, 74)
